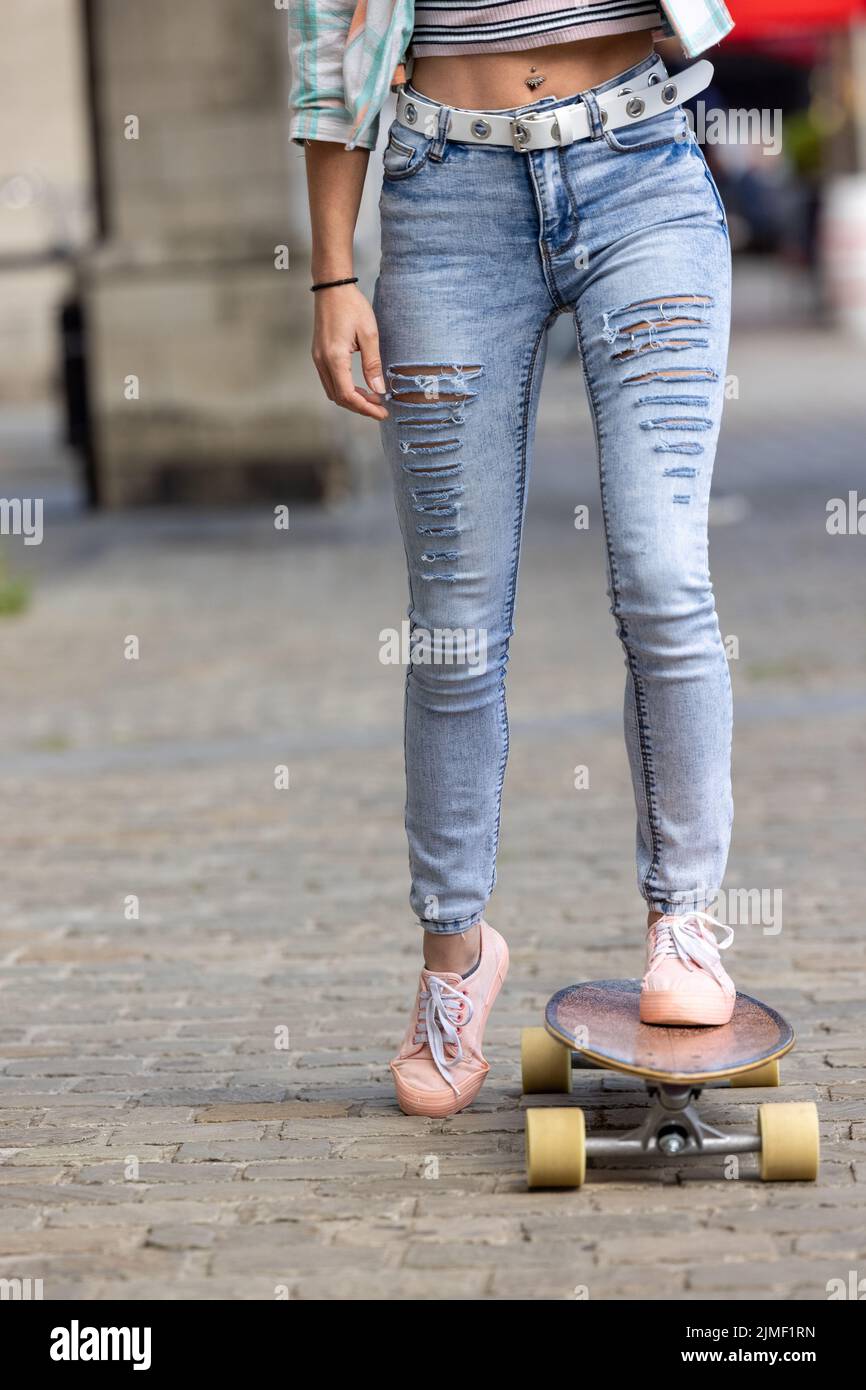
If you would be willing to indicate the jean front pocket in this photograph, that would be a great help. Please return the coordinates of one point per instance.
(405, 153)
(668, 128)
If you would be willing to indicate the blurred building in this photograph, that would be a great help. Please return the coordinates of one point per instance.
(154, 230)
(158, 214)
(803, 61)
(45, 185)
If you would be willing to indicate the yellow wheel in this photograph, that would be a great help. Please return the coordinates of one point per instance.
(555, 1148)
(545, 1063)
(790, 1142)
(767, 1075)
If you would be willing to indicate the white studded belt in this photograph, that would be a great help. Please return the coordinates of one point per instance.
(649, 94)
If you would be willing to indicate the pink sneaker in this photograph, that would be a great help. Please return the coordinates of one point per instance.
(440, 1068)
(685, 982)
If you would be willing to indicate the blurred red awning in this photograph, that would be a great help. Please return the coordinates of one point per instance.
(767, 18)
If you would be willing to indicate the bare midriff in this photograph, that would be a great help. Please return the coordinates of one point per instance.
(486, 81)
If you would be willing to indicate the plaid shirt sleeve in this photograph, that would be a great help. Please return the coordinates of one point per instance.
(698, 24)
(318, 30)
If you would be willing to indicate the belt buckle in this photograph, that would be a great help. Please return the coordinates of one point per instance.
(520, 134)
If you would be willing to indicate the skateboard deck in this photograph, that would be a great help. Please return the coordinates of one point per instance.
(600, 1022)
(597, 1024)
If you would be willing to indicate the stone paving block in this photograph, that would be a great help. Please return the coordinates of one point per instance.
(35, 1137)
(186, 1286)
(18, 1218)
(288, 1110)
(116, 1264)
(370, 1127)
(785, 1277)
(75, 1067)
(31, 1087)
(687, 1247)
(162, 1095)
(258, 1150)
(785, 1222)
(59, 1241)
(58, 1099)
(25, 1174)
(169, 1086)
(294, 1253)
(115, 1116)
(349, 1169)
(576, 1283)
(410, 1181)
(183, 1134)
(151, 1172)
(186, 1237)
(405, 1285)
(451, 1151)
(88, 1151)
(45, 1197)
(851, 1245)
(577, 1255)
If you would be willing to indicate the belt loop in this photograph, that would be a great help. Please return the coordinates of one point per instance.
(438, 148)
(596, 127)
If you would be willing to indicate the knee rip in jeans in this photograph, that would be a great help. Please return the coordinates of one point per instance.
(432, 401)
(666, 323)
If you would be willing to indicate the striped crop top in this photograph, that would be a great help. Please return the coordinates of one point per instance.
(478, 26)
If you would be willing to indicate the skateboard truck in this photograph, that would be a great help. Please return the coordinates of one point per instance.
(674, 1128)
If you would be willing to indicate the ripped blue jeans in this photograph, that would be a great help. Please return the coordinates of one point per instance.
(482, 248)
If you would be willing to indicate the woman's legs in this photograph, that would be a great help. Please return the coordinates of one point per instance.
(651, 307)
(463, 300)
(632, 239)
(462, 309)
(652, 320)
(457, 440)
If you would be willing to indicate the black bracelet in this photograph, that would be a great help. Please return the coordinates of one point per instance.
(329, 284)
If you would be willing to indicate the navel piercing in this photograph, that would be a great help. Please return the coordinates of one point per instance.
(533, 82)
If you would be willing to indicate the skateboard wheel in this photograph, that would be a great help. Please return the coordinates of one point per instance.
(545, 1063)
(555, 1148)
(767, 1075)
(790, 1142)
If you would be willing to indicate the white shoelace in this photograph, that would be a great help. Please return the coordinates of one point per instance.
(683, 935)
(439, 1008)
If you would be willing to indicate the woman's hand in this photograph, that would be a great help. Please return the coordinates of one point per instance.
(345, 324)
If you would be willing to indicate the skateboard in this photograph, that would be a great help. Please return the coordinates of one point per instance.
(597, 1025)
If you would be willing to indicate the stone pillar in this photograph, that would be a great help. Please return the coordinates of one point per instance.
(201, 386)
(44, 186)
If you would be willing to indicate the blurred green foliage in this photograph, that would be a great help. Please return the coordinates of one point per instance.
(14, 592)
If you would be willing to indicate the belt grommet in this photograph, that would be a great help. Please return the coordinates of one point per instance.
(411, 114)
(481, 129)
(669, 93)
(653, 79)
(603, 115)
(635, 107)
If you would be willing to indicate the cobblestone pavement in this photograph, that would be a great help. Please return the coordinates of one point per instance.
(158, 1138)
